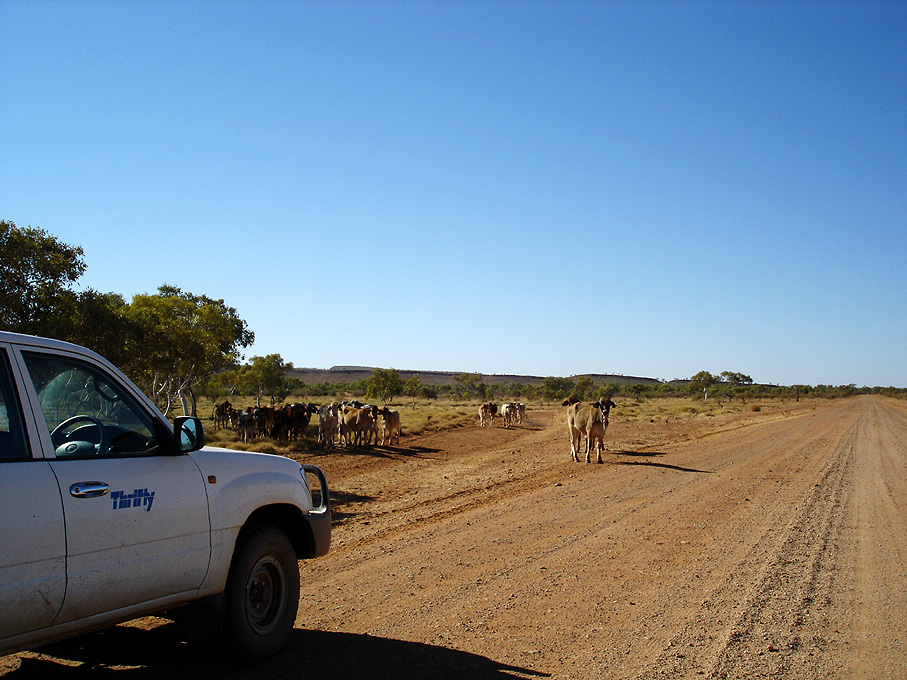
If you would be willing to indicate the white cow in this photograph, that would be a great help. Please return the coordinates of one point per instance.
(328, 422)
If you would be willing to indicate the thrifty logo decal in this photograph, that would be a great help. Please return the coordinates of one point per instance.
(136, 499)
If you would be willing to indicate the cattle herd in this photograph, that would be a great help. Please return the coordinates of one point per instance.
(352, 423)
(511, 413)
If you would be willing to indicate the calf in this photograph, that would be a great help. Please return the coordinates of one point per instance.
(487, 413)
(264, 420)
(246, 426)
(328, 421)
(391, 426)
(222, 414)
(508, 414)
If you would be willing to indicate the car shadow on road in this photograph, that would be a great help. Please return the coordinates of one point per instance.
(368, 657)
(343, 499)
(378, 451)
(649, 463)
(126, 652)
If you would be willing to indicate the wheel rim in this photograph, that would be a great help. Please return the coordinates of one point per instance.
(265, 595)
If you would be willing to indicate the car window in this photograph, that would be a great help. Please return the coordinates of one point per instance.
(87, 412)
(12, 436)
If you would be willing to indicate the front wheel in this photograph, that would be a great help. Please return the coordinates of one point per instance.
(262, 594)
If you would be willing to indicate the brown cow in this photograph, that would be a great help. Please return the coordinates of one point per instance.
(391, 426)
(358, 424)
(487, 413)
(589, 420)
(222, 414)
(298, 418)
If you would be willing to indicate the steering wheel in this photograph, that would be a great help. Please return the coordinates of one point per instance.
(80, 448)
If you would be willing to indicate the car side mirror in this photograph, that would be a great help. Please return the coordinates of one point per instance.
(188, 434)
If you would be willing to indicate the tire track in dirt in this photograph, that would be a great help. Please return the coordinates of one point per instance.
(794, 618)
(878, 559)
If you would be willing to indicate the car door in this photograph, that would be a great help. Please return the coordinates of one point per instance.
(137, 526)
(32, 541)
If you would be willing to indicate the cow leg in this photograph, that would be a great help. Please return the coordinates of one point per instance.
(574, 445)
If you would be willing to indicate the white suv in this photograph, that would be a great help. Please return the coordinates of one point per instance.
(108, 512)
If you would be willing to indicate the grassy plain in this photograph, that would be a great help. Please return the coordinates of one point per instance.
(440, 415)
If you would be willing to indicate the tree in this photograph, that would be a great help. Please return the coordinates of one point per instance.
(266, 375)
(180, 339)
(608, 390)
(736, 379)
(36, 274)
(801, 389)
(471, 385)
(584, 387)
(556, 389)
(636, 389)
(101, 321)
(383, 384)
(166, 342)
(738, 383)
(702, 382)
(413, 387)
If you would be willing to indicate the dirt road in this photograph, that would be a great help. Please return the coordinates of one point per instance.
(773, 548)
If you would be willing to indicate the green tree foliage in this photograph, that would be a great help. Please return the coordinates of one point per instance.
(266, 375)
(224, 384)
(737, 384)
(180, 339)
(101, 322)
(702, 382)
(413, 387)
(799, 390)
(584, 387)
(554, 389)
(384, 384)
(736, 379)
(608, 390)
(37, 272)
(471, 385)
(637, 390)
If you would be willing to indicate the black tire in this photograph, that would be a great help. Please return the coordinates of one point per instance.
(262, 594)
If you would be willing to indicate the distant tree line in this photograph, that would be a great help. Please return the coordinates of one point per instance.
(385, 385)
(175, 345)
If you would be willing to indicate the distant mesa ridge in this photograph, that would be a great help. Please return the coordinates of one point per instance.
(346, 374)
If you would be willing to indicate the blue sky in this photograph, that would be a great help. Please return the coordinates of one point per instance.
(543, 188)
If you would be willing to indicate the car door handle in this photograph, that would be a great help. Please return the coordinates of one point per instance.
(89, 489)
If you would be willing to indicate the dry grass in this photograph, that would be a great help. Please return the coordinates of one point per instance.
(446, 415)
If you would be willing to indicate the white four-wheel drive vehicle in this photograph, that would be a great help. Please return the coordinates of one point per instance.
(109, 512)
